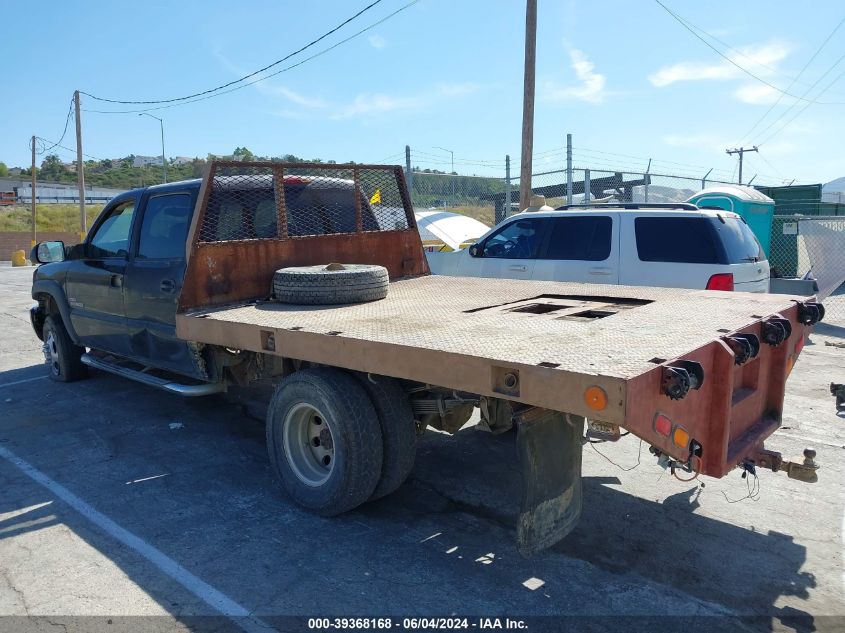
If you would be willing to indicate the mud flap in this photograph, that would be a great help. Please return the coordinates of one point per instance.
(549, 448)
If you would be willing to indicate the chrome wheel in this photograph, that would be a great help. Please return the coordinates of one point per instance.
(308, 444)
(51, 354)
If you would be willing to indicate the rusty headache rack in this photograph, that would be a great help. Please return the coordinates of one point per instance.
(699, 375)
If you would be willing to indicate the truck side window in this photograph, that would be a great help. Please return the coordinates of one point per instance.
(112, 236)
(518, 240)
(165, 227)
(585, 238)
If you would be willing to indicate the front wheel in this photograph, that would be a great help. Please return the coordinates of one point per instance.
(324, 440)
(62, 357)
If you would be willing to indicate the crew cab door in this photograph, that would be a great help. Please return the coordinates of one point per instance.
(95, 277)
(509, 252)
(581, 248)
(154, 279)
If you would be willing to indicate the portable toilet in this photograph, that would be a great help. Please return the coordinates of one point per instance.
(755, 208)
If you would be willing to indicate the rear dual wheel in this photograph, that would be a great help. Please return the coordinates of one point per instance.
(331, 439)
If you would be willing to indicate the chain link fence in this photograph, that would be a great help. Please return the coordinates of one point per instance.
(813, 246)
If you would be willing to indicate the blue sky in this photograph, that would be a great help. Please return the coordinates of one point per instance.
(623, 77)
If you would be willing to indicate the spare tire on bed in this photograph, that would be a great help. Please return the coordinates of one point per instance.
(329, 285)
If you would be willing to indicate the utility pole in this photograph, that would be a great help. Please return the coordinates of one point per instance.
(568, 169)
(163, 159)
(741, 151)
(409, 172)
(80, 168)
(453, 172)
(528, 104)
(507, 210)
(32, 178)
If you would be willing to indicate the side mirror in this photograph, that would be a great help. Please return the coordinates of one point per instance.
(474, 250)
(49, 252)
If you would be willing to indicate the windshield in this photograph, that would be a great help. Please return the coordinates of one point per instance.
(739, 241)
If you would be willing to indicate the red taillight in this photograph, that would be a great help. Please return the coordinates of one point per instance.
(662, 424)
(721, 281)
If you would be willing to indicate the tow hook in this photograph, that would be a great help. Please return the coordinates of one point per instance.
(802, 471)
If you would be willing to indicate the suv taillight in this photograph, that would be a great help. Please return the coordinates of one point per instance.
(721, 281)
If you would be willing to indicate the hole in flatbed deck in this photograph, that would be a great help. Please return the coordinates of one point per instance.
(540, 308)
(549, 365)
(295, 327)
(334, 332)
(657, 361)
(590, 314)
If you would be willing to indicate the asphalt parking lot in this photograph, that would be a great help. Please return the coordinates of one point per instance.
(118, 500)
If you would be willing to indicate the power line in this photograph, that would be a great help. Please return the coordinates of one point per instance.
(64, 132)
(789, 109)
(273, 74)
(683, 23)
(789, 87)
(801, 111)
(245, 77)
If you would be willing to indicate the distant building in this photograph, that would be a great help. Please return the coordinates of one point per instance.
(181, 160)
(143, 161)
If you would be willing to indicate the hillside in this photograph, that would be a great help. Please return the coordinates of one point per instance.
(837, 185)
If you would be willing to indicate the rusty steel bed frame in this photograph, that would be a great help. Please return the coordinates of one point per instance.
(533, 342)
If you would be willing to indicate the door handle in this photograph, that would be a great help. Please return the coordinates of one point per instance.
(167, 285)
(601, 271)
(519, 267)
(116, 281)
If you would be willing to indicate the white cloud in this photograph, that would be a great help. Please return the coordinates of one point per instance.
(366, 104)
(761, 59)
(272, 88)
(377, 41)
(291, 95)
(591, 87)
(756, 94)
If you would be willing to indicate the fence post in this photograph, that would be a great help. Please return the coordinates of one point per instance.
(646, 182)
(409, 174)
(568, 169)
(507, 206)
(704, 180)
(587, 194)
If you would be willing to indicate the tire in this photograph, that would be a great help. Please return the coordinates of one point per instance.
(328, 405)
(62, 357)
(398, 431)
(330, 285)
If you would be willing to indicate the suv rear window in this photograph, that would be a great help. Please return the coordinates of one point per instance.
(677, 240)
(739, 241)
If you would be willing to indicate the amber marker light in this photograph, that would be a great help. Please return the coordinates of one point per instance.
(680, 438)
(596, 398)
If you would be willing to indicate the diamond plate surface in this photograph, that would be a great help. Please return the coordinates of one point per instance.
(447, 314)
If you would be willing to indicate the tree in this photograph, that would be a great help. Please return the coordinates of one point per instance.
(4, 170)
(242, 153)
(52, 168)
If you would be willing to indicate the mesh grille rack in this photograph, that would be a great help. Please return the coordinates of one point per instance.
(277, 201)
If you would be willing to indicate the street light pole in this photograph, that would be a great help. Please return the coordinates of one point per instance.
(452, 175)
(163, 159)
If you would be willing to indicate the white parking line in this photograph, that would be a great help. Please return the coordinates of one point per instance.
(212, 597)
(20, 382)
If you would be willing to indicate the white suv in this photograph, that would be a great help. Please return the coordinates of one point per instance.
(669, 245)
